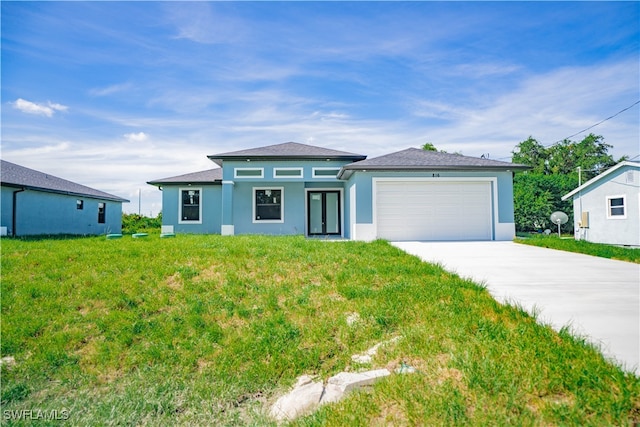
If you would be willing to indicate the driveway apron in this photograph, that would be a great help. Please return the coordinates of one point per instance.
(597, 298)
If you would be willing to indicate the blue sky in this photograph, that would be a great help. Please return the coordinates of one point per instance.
(114, 94)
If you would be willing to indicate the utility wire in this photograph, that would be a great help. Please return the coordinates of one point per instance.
(599, 123)
(586, 129)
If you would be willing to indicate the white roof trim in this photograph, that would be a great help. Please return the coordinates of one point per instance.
(599, 177)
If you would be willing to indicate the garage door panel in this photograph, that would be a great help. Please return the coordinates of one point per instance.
(418, 210)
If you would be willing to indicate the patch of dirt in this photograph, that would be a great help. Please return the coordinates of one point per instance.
(391, 414)
(536, 403)
(174, 282)
(210, 274)
(451, 374)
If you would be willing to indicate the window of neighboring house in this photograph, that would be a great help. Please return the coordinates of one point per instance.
(287, 172)
(248, 173)
(616, 207)
(190, 206)
(268, 205)
(325, 172)
(79, 204)
(102, 208)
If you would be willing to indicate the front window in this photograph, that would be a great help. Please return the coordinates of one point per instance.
(615, 207)
(101, 213)
(79, 204)
(248, 173)
(190, 206)
(325, 172)
(267, 205)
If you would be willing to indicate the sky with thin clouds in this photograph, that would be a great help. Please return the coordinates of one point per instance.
(115, 94)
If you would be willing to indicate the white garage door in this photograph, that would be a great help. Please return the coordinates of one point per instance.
(421, 210)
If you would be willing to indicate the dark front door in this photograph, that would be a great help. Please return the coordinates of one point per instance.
(324, 213)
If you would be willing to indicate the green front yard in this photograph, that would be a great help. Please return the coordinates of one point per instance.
(570, 244)
(209, 330)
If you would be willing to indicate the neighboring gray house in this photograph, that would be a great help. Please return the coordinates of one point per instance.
(295, 188)
(607, 208)
(38, 203)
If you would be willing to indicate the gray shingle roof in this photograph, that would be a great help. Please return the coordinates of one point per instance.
(210, 176)
(418, 159)
(18, 176)
(288, 150)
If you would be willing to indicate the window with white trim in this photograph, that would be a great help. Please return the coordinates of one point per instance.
(190, 206)
(287, 172)
(616, 207)
(325, 172)
(268, 204)
(248, 173)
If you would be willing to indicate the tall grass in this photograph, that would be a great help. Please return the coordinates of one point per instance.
(203, 330)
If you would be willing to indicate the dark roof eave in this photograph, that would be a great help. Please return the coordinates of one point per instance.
(217, 159)
(380, 168)
(66, 193)
(160, 183)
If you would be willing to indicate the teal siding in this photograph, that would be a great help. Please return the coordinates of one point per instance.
(231, 204)
(211, 200)
(39, 212)
(268, 166)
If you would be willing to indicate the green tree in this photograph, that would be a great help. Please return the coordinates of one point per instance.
(536, 196)
(429, 147)
(554, 173)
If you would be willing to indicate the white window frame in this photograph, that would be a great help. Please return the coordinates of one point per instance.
(314, 171)
(624, 206)
(185, 221)
(268, 221)
(300, 174)
(235, 173)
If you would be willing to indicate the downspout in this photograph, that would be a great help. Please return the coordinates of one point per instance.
(14, 210)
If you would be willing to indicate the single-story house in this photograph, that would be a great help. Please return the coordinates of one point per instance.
(38, 203)
(294, 188)
(607, 207)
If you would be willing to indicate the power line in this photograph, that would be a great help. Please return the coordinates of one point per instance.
(586, 129)
(597, 124)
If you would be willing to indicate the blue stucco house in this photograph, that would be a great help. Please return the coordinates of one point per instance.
(36, 203)
(606, 209)
(294, 188)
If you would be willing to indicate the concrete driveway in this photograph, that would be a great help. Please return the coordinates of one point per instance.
(596, 297)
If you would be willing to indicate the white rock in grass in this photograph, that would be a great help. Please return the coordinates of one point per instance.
(307, 394)
(352, 319)
(367, 356)
(304, 398)
(8, 360)
(344, 382)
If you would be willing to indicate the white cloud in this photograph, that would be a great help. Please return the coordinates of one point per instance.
(47, 109)
(549, 107)
(136, 137)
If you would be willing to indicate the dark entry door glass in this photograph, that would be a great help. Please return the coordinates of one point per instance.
(324, 212)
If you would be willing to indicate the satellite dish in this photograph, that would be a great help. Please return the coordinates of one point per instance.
(559, 218)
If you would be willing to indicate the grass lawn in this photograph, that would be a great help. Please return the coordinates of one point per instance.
(209, 330)
(583, 247)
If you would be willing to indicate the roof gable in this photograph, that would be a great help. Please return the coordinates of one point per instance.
(603, 176)
(418, 159)
(209, 176)
(287, 150)
(20, 176)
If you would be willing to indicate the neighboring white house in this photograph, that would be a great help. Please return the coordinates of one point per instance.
(607, 207)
